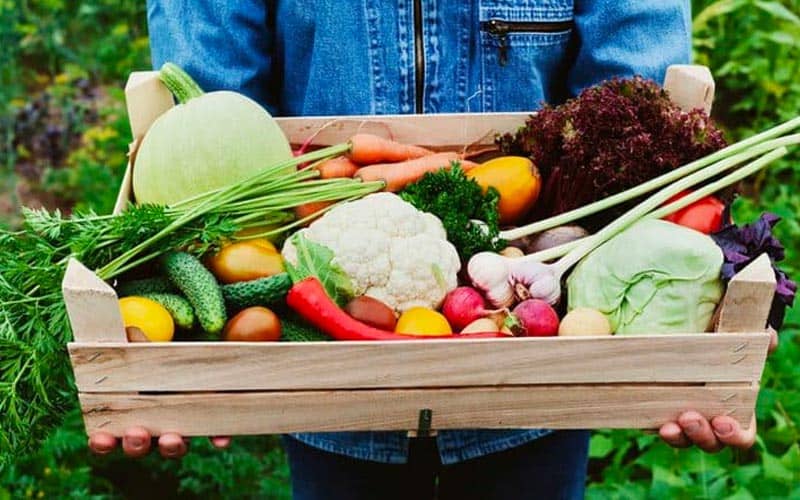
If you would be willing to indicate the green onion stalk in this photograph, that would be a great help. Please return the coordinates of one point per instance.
(765, 153)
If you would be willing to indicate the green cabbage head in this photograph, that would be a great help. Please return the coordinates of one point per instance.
(654, 277)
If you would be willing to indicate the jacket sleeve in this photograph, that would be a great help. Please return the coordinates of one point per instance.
(221, 44)
(634, 37)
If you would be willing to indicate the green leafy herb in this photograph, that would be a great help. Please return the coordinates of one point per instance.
(36, 386)
(316, 260)
(458, 202)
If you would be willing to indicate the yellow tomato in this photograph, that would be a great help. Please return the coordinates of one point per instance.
(148, 316)
(423, 322)
(246, 260)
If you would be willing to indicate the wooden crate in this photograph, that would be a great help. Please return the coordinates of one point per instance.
(232, 388)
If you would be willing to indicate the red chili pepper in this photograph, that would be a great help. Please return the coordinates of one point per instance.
(309, 299)
(704, 215)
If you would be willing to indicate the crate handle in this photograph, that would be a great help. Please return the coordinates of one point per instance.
(690, 86)
(92, 306)
(748, 299)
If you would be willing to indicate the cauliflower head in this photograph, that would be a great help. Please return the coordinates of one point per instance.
(392, 251)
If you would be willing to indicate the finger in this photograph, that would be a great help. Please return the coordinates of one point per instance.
(221, 442)
(773, 340)
(672, 434)
(699, 431)
(172, 445)
(102, 443)
(136, 442)
(730, 432)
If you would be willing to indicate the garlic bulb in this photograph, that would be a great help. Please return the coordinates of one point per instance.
(489, 273)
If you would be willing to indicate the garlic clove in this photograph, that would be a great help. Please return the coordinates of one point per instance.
(540, 280)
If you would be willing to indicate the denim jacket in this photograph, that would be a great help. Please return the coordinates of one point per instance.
(346, 57)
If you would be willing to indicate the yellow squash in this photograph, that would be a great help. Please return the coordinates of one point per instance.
(516, 179)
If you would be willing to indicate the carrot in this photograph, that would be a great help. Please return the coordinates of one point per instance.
(307, 209)
(368, 149)
(340, 166)
(399, 175)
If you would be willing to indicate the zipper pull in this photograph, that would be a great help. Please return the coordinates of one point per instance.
(499, 31)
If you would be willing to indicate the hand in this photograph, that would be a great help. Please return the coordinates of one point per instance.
(137, 441)
(692, 428)
(711, 436)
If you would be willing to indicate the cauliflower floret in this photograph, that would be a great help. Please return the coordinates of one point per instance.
(392, 251)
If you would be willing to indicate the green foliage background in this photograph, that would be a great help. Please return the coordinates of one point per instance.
(63, 137)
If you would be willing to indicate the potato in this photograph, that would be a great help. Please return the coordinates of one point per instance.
(583, 322)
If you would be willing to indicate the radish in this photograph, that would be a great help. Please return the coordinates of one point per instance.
(464, 305)
(537, 317)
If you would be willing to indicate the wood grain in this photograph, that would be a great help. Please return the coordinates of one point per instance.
(424, 363)
(439, 131)
(748, 298)
(557, 407)
(92, 306)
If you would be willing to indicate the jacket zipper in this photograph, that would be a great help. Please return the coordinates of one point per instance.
(419, 57)
(500, 29)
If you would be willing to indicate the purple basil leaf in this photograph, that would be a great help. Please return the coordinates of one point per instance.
(742, 245)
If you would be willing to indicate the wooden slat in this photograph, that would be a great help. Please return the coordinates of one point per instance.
(195, 366)
(125, 194)
(558, 407)
(748, 298)
(92, 306)
(438, 131)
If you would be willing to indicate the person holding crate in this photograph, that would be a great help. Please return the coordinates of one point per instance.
(414, 56)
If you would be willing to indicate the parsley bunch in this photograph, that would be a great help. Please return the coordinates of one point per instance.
(469, 216)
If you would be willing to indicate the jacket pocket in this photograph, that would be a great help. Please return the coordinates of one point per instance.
(524, 57)
(501, 30)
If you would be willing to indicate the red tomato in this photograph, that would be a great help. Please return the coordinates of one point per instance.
(704, 215)
(253, 324)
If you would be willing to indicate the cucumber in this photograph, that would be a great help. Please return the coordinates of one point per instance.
(159, 284)
(294, 329)
(199, 286)
(258, 292)
(178, 307)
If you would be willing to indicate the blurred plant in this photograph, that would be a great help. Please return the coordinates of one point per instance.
(67, 146)
(56, 50)
(253, 467)
(106, 37)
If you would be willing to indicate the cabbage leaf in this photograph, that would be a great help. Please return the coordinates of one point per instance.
(655, 277)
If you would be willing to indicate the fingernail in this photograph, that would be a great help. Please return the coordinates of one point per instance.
(136, 442)
(722, 428)
(692, 426)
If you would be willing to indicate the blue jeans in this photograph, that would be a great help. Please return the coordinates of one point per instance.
(551, 467)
